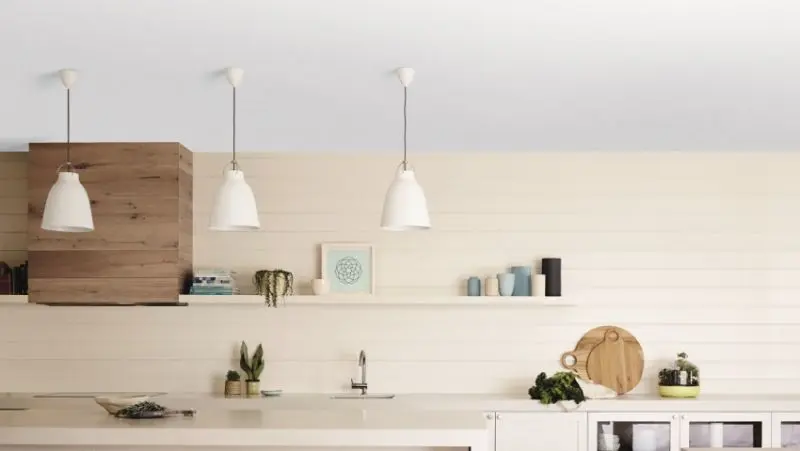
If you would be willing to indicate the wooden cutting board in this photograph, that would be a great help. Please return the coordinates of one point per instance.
(607, 355)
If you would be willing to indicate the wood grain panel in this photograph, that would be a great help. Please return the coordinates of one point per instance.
(103, 290)
(101, 264)
(135, 190)
(121, 237)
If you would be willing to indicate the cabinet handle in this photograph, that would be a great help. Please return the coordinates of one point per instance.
(674, 417)
(683, 416)
(489, 416)
(497, 416)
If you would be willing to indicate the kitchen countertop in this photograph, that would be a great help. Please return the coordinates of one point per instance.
(247, 427)
(452, 402)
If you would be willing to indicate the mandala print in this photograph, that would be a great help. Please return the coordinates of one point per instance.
(348, 270)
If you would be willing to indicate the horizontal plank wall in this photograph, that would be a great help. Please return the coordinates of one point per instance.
(695, 252)
(137, 252)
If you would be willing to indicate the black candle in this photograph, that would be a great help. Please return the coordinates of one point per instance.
(551, 268)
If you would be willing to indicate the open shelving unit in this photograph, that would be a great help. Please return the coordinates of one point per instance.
(378, 300)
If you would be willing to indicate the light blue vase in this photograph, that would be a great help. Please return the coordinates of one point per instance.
(473, 286)
(506, 282)
(522, 280)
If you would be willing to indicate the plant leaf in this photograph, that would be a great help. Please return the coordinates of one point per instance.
(244, 359)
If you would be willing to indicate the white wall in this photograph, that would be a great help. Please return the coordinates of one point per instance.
(694, 252)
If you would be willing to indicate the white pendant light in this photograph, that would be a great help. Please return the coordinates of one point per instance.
(405, 207)
(67, 208)
(234, 208)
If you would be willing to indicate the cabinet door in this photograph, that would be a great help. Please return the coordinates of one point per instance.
(786, 430)
(526, 431)
(634, 432)
(490, 427)
(726, 429)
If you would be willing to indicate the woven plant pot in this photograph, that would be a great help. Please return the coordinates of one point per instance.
(233, 388)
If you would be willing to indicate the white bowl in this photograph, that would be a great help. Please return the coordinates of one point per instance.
(112, 405)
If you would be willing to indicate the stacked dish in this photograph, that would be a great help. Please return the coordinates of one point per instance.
(608, 442)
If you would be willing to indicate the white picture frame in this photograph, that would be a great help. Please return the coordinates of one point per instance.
(348, 268)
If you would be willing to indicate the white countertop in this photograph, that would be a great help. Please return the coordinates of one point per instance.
(450, 402)
(246, 427)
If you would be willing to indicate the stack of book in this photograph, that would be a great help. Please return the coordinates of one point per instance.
(213, 282)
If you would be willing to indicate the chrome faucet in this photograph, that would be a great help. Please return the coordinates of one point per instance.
(362, 362)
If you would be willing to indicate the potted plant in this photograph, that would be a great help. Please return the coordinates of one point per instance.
(233, 384)
(252, 367)
(682, 380)
(273, 284)
(561, 388)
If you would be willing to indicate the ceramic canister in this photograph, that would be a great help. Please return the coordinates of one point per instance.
(491, 286)
(319, 287)
(522, 280)
(539, 282)
(473, 286)
(506, 282)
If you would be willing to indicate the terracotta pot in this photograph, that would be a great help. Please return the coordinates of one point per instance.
(253, 388)
(233, 388)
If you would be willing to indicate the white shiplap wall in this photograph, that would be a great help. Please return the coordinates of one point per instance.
(695, 252)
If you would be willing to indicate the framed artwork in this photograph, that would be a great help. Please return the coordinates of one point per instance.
(348, 268)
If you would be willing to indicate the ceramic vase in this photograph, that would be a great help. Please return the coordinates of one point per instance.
(233, 388)
(253, 388)
(539, 282)
(522, 280)
(473, 286)
(506, 282)
(319, 287)
(491, 287)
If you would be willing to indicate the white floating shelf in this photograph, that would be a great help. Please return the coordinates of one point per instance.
(420, 300)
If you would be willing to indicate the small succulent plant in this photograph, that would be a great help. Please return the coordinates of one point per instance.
(233, 376)
(252, 366)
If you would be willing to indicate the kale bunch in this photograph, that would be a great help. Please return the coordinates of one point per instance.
(561, 386)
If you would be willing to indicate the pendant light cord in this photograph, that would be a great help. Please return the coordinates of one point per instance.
(405, 128)
(234, 163)
(69, 153)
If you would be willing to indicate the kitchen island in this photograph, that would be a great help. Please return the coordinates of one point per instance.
(246, 428)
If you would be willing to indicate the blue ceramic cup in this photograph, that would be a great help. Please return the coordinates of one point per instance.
(506, 282)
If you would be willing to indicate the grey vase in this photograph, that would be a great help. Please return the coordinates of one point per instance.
(506, 282)
(473, 286)
(522, 280)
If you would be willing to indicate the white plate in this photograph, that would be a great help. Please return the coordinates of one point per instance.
(271, 392)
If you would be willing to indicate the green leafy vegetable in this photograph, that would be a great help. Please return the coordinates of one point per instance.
(561, 386)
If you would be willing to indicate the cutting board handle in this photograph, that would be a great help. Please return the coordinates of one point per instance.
(611, 335)
(572, 357)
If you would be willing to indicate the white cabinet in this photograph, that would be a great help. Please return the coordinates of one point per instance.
(545, 431)
(637, 431)
(786, 430)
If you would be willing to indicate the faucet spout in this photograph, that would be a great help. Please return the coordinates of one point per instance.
(362, 363)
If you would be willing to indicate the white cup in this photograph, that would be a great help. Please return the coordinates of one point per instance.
(319, 287)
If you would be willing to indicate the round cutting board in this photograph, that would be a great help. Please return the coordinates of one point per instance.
(609, 356)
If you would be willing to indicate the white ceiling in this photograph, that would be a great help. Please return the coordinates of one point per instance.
(491, 74)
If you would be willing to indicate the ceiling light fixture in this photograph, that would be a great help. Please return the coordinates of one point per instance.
(405, 207)
(67, 208)
(234, 208)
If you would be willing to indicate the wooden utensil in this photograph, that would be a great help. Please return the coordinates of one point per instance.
(607, 355)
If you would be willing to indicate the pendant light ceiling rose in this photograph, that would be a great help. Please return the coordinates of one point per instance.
(234, 76)
(68, 77)
(406, 75)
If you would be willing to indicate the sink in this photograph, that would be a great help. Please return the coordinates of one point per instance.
(360, 396)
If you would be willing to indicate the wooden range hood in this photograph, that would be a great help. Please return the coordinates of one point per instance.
(140, 251)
